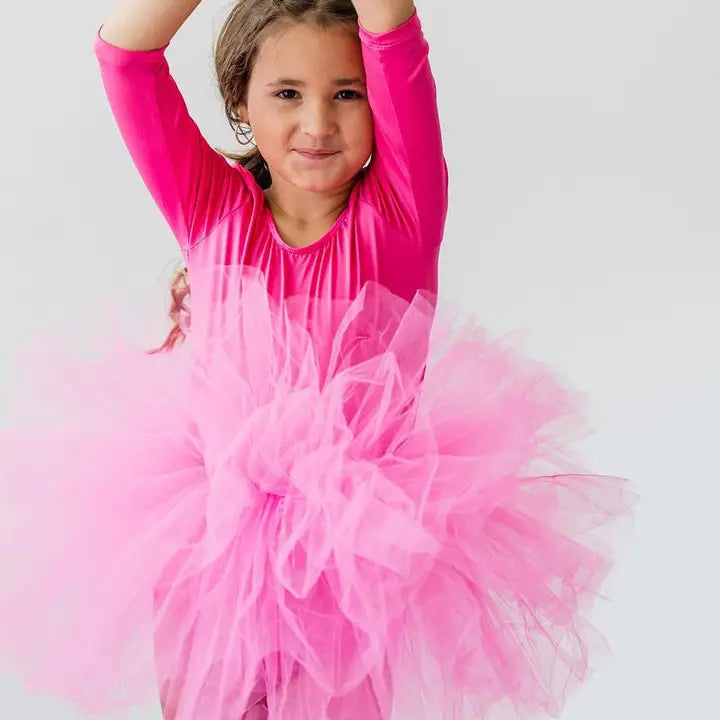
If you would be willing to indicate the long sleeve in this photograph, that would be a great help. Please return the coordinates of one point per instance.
(193, 186)
(408, 175)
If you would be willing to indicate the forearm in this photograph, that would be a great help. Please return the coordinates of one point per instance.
(379, 16)
(146, 24)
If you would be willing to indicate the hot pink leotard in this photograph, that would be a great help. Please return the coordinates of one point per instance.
(389, 232)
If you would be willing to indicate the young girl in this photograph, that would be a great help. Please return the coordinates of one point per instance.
(334, 501)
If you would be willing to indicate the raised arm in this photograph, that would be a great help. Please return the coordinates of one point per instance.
(146, 24)
(407, 180)
(378, 16)
(193, 185)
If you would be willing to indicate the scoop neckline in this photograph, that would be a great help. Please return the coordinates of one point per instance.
(323, 239)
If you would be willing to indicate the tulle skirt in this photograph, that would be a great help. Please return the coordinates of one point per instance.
(387, 523)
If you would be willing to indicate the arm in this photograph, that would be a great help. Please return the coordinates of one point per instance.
(193, 186)
(407, 180)
(146, 24)
(378, 16)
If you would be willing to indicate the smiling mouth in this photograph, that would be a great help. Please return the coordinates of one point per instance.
(315, 155)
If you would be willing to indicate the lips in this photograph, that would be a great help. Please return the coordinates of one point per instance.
(315, 154)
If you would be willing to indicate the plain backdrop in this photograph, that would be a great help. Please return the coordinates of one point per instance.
(582, 142)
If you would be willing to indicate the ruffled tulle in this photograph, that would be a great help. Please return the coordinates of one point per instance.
(388, 524)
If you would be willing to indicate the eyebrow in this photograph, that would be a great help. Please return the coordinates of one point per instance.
(300, 83)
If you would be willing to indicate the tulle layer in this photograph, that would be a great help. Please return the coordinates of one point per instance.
(258, 524)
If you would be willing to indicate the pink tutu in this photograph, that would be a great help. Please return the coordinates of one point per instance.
(261, 525)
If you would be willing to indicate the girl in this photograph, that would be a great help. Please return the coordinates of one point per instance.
(330, 502)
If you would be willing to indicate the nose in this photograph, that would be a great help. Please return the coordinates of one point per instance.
(318, 118)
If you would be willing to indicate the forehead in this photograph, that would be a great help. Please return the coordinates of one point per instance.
(307, 51)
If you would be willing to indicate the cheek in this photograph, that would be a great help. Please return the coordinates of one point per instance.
(363, 129)
(370, 129)
(272, 132)
(369, 134)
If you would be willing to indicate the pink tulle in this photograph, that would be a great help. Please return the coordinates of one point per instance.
(262, 524)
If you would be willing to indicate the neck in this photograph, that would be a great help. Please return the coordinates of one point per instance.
(306, 207)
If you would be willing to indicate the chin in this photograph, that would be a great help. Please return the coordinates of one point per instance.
(322, 184)
(319, 187)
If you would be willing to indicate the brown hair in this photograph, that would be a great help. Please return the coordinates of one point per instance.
(235, 51)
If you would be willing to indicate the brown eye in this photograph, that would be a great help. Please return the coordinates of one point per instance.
(354, 95)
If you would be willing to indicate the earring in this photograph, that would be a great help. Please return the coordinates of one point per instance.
(239, 130)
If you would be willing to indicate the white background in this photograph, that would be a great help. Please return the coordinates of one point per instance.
(582, 141)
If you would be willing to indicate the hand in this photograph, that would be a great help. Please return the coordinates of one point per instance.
(378, 16)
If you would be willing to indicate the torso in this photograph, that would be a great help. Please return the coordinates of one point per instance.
(368, 240)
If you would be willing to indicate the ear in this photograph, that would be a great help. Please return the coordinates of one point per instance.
(242, 112)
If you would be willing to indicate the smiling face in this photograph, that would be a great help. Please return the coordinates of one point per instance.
(307, 92)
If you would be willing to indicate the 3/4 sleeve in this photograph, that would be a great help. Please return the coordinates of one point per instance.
(408, 174)
(193, 185)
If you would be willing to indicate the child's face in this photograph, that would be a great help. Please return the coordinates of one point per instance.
(312, 111)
